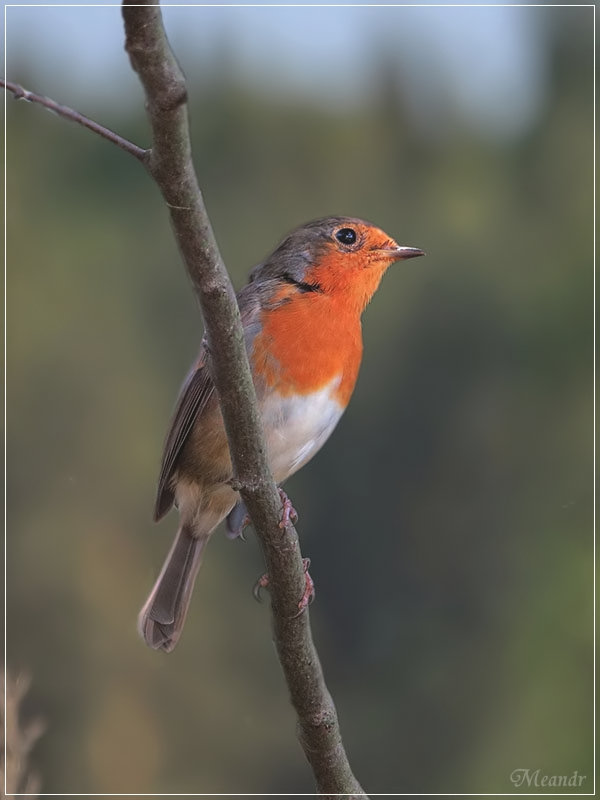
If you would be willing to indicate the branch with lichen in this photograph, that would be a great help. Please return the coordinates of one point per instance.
(169, 162)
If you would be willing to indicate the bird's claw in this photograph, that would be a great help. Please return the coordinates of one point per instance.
(237, 520)
(238, 533)
(305, 600)
(288, 512)
(261, 583)
(309, 590)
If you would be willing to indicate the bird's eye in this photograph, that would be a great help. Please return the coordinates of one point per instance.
(346, 236)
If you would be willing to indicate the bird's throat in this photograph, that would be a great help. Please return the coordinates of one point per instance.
(308, 343)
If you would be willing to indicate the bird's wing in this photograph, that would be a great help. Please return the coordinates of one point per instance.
(199, 388)
(193, 398)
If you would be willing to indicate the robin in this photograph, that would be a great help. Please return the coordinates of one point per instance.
(301, 313)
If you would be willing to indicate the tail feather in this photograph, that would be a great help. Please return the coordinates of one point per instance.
(160, 621)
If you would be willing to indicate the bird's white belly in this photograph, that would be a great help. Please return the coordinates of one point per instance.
(296, 427)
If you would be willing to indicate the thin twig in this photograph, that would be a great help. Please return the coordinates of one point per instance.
(17, 739)
(68, 113)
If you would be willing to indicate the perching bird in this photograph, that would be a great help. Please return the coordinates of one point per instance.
(301, 312)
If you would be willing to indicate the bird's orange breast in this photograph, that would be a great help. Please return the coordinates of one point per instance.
(308, 342)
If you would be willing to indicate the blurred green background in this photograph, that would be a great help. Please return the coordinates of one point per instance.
(448, 519)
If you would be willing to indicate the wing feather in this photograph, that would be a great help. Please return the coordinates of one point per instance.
(194, 396)
(198, 389)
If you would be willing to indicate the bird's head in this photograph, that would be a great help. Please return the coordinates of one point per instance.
(343, 257)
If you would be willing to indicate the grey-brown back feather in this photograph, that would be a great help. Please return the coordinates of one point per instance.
(194, 396)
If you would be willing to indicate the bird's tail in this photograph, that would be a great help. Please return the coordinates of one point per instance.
(160, 621)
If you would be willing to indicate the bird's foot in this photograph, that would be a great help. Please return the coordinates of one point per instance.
(309, 590)
(288, 512)
(237, 520)
(261, 583)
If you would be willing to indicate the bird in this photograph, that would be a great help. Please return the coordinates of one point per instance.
(301, 315)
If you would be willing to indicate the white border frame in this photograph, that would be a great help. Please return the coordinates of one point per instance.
(299, 5)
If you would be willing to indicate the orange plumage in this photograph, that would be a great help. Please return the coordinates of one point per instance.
(300, 349)
(301, 313)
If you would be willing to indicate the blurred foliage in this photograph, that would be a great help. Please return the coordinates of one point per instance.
(449, 519)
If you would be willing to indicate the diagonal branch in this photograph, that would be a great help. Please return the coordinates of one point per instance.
(170, 164)
(172, 167)
(20, 93)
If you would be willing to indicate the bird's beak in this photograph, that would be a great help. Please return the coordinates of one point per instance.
(399, 253)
